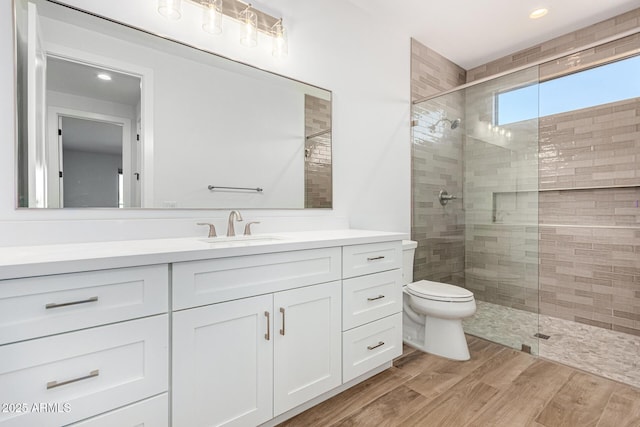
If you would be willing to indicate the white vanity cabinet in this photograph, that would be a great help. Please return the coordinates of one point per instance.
(245, 361)
(201, 336)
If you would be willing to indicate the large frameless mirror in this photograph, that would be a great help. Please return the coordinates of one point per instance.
(113, 117)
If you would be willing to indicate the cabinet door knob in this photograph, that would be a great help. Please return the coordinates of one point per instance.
(282, 330)
(267, 336)
(375, 258)
(375, 298)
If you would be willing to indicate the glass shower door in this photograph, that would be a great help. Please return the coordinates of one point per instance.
(501, 208)
(480, 144)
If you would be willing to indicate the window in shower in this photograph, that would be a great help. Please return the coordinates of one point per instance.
(607, 83)
(517, 105)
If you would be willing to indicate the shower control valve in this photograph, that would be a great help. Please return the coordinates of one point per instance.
(444, 197)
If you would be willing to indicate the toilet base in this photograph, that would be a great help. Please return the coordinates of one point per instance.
(442, 337)
(445, 337)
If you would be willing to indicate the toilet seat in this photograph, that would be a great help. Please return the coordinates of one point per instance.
(439, 291)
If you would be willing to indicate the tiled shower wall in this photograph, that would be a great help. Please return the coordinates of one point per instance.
(436, 165)
(317, 164)
(589, 216)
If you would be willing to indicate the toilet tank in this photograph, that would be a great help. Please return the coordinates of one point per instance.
(408, 252)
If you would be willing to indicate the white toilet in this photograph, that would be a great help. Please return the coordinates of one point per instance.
(433, 312)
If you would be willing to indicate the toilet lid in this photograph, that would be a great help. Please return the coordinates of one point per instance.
(439, 291)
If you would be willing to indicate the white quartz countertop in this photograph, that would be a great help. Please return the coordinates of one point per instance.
(25, 261)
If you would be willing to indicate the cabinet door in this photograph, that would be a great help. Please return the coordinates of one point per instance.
(223, 364)
(307, 353)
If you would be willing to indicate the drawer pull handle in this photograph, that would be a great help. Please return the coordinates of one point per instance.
(375, 258)
(54, 384)
(267, 336)
(282, 330)
(372, 347)
(64, 304)
(375, 298)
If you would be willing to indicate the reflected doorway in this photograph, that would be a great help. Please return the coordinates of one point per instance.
(91, 163)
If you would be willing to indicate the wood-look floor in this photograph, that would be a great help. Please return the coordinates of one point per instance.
(499, 386)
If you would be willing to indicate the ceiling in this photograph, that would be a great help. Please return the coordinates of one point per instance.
(80, 79)
(91, 136)
(474, 32)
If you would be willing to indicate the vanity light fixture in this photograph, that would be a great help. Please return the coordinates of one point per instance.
(170, 9)
(104, 76)
(538, 13)
(251, 20)
(249, 29)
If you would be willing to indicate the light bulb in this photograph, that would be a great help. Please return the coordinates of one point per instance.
(280, 43)
(538, 13)
(249, 28)
(170, 9)
(212, 16)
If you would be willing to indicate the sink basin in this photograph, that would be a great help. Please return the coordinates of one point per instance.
(241, 240)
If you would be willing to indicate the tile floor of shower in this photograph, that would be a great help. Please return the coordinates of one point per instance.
(600, 351)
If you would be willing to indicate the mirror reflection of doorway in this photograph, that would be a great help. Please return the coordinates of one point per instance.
(91, 154)
(92, 115)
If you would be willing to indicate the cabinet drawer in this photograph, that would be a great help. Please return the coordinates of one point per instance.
(84, 373)
(371, 297)
(152, 412)
(39, 306)
(371, 258)
(370, 346)
(197, 283)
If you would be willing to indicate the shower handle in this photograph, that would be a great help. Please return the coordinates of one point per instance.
(444, 197)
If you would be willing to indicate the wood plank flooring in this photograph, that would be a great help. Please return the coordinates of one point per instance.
(499, 386)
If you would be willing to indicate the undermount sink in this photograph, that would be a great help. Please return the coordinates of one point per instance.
(241, 240)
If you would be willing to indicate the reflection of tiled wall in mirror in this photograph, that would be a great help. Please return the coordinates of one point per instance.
(317, 165)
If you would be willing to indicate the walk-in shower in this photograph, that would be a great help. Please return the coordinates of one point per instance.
(545, 227)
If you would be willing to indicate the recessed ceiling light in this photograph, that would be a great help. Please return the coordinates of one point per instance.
(104, 76)
(538, 13)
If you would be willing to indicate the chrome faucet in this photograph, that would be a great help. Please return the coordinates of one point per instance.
(233, 216)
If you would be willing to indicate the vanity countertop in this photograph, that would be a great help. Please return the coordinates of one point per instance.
(25, 261)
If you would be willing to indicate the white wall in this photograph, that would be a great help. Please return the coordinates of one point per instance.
(90, 105)
(332, 44)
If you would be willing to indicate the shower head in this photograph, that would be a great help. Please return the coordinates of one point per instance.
(452, 123)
